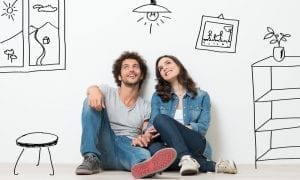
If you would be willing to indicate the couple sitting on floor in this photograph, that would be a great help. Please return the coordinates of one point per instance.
(121, 131)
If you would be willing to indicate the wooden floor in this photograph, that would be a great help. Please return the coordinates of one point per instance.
(66, 172)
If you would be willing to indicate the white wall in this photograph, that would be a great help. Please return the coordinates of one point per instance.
(98, 31)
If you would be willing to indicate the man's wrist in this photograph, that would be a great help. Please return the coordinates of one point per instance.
(92, 87)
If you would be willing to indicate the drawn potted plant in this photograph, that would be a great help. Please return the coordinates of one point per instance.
(278, 51)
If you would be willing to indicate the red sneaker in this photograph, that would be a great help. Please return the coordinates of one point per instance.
(160, 161)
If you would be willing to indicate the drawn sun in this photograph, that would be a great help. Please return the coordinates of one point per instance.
(9, 10)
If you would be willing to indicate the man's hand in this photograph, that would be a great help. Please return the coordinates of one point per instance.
(95, 98)
(141, 141)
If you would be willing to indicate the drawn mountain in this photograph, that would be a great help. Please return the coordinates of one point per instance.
(46, 26)
(32, 29)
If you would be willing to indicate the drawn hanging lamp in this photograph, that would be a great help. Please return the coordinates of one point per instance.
(152, 12)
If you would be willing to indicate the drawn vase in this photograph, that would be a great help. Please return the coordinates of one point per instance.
(278, 53)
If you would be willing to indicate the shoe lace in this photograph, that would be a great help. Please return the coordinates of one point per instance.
(90, 160)
(222, 165)
(188, 159)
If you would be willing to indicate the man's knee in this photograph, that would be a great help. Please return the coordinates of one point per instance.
(138, 156)
(87, 109)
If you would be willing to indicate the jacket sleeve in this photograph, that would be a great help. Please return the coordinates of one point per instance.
(155, 106)
(203, 122)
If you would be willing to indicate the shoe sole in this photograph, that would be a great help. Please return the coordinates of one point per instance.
(86, 172)
(160, 161)
(235, 168)
(189, 172)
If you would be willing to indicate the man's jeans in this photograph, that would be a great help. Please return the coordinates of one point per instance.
(114, 152)
(184, 140)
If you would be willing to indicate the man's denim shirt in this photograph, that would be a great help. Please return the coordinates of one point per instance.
(196, 112)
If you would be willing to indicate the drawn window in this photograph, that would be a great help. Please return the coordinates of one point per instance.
(33, 37)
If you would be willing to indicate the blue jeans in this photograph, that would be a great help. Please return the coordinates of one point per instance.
(184, 140)
(114, 152)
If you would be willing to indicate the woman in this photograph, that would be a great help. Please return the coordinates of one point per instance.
(180, 116)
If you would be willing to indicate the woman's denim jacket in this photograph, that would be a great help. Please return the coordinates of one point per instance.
(196, 112)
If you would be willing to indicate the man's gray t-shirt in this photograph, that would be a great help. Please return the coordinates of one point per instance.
(124, 120)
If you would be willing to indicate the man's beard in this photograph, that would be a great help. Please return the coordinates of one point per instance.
(131, 84)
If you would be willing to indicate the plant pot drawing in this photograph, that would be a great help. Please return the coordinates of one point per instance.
(278, 53)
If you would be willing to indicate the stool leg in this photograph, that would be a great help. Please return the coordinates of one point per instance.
(39, 157)
(51, 162)
(17, 162)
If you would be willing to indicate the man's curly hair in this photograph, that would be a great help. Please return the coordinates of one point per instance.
(129, 55)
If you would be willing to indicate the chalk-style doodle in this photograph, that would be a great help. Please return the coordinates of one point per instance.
(9, 9)
(152, 14)
(218, 34)
(275, 98)
(10, 54)
(11, 35)
(275, 38)
(38, 44)
(36, 140)
(48, 8)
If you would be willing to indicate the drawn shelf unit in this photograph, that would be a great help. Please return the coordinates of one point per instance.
(273, 91)
(32, 35)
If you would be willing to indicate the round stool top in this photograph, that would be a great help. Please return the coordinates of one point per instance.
(37, 139)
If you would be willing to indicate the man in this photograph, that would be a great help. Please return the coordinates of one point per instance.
(112, 123)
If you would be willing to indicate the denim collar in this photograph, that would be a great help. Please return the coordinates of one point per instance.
(187, 93)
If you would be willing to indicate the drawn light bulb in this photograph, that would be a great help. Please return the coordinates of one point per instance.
(152, 16)
(152, 13)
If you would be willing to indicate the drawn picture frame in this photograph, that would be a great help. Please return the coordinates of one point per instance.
(217, 34)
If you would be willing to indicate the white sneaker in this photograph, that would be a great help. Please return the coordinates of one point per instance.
(189, 166)
(226, 166)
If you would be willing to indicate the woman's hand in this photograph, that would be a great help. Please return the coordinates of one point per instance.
(151, 133)
(145, 139)
(189, 126)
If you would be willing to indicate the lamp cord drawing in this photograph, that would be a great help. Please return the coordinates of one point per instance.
(152, 12)
(36, 140)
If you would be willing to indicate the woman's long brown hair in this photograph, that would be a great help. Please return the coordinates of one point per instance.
(163, 87)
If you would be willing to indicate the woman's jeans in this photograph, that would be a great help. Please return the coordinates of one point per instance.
(114, 152)
(184, 140)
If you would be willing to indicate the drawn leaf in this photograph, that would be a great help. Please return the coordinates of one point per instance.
(287, 35)
(283, 39)
(269, 35)
(270, 30)
(9, 51)
(13, 56)
(273, 41)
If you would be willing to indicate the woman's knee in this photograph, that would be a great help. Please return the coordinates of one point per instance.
(161, 120)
